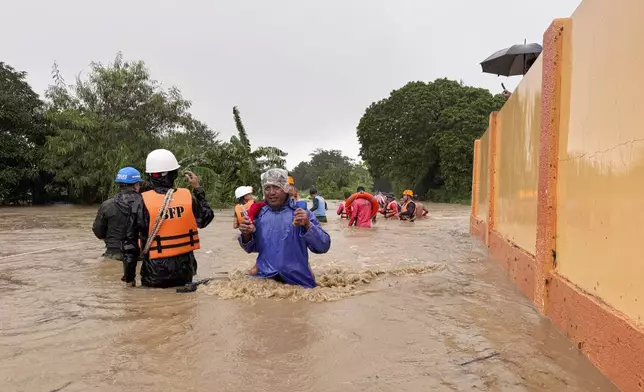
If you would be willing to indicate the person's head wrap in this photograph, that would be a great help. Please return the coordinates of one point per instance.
(275, 177)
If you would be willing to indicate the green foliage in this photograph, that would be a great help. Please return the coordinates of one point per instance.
(22, 136)
(331, 173)
(306, 173)
(246, 165)
(234, 164)
(422, 136)
(111, 118)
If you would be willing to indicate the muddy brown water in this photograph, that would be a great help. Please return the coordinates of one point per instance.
(401, 307)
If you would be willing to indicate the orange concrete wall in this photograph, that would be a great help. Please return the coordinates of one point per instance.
(483, 181)
(476, 167)
(600, 243)
(576, 249)
(517, 162)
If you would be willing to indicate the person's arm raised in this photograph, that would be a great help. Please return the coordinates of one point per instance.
(200, 206)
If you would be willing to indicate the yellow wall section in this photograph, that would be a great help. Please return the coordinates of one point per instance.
(517, 162)
(600, 206)
(484, 176)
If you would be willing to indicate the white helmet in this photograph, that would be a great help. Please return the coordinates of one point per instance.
(160, 161)
(243, 191)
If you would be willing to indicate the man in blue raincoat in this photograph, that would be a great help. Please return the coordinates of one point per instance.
(283, 234)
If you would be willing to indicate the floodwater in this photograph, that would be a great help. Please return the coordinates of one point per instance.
(401, 307)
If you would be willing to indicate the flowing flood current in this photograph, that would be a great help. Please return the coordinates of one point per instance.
(401, 307)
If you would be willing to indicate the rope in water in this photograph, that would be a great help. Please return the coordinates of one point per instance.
(159, 220)
(44, 250)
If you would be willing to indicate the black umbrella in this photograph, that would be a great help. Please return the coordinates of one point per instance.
(515, 60)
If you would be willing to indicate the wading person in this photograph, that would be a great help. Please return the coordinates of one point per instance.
(319, 205)
(245, 200)
(361, 212)
(408, 209)
(282, 234)
(421, 211)
(111, 220)
(170, 218)
(391, 208)
(246, 208)
(342, 207)
(292, 189)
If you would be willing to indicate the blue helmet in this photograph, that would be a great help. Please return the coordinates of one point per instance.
(128, 175)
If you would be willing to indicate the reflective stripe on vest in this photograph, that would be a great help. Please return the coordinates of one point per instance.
(392, 209)
(178, 233)
(239, 213)
(404, 206)
(321, 210)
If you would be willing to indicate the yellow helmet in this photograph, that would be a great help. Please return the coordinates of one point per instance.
(291, 180)
(408, 192)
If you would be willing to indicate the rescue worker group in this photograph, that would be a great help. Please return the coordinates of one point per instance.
(157, 223)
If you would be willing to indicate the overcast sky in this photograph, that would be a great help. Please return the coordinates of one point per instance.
(301, 72)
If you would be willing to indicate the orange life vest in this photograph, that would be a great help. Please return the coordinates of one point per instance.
(239, 212)
(178, 233)
(392, 209)
(404, 209)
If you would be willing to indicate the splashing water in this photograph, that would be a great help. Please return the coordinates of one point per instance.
(333, 285)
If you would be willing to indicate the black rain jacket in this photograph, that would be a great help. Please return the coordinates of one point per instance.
(111, 220)
(163, 272)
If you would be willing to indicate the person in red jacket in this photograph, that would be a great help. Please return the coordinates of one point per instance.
(361, 212)
(342, 209)
(391, 208)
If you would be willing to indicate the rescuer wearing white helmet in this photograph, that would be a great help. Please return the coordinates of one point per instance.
(245, 199)
(163, 226)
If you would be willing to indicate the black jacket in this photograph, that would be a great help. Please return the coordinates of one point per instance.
(111, 219)
(411, 208)
(164, 272)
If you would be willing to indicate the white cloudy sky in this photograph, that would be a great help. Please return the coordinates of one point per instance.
(301, 72)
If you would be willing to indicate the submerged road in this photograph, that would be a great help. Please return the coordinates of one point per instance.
(402, 307)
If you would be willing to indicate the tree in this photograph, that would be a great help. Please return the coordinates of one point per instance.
(110, 119)
(331, 173)
(248, 163)
(196, 149)
(228, 165)
(241, 165)
(306, 174)
(22, 136)
(422, 135)
(74, 144)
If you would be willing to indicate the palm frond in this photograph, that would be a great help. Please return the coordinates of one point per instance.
(241, 131)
